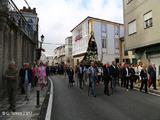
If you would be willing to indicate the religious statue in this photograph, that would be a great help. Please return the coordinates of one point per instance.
(91, 53)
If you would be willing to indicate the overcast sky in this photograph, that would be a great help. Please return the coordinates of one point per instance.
(58, 17)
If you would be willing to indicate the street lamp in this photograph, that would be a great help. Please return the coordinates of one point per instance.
(42, 38)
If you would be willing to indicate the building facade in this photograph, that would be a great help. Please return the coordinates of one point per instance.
(68, 51)
(106, 34)
(141, 18)
(59, 55)
(16, 42)
(126, 56)
(50, 60)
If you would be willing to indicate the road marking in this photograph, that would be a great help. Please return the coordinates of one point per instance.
(49, 108)
(150, 93)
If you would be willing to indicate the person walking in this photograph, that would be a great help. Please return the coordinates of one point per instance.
(85, 74)
(114, 74)
(118, 73)
(71, 74)
(126, 75)
(33, 79)
(92, 73)
(106, 75)
(41, 75)
(136, 73)
(36, 68)
(139, 70)
(144, 78)
(80, 75)
(152, 73)
(28, 80)
(121, 75)
(11, 76)
(99, 74)
(47, 73)
(21, 74)
(132, 76)
(65, 71)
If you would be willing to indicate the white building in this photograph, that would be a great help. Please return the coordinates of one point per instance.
(106, 34)
(31, 17)
(68, 50)
(59, 55)
(50, 60)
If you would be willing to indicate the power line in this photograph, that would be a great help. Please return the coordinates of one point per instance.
(27, 3)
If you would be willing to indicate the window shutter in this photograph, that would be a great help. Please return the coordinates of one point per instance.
(148, 16)
(132, 27)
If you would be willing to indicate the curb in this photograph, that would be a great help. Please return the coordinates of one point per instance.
(49, 108)
(151, 91)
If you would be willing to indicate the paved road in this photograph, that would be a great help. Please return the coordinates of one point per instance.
(72, 103)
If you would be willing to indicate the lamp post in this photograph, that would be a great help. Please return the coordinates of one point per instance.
(42, 39)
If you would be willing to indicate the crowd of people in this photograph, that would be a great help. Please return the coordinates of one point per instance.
(112, 75)
(26, 79)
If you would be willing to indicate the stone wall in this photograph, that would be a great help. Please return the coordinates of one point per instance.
(14, 45)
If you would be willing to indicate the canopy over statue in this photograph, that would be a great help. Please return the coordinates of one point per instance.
(91, 53)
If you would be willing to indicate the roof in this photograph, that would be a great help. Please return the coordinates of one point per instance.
(60, 47)
(95, 19)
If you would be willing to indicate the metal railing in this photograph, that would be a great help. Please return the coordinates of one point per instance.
(16, 16)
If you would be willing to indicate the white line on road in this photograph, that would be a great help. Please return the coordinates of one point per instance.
(150, 93)
(49, 108)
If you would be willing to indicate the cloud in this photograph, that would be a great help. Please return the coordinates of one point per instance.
(58, 17)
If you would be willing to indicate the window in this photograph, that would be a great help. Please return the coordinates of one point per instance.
(128, 1)
(127, 61)
(117, 44)
(103, 43)
(148, 19)
(132, 27)
(30, 21)
(77, 61)
(116, 30)
(103, 28)
(133, 53)
(126, 53)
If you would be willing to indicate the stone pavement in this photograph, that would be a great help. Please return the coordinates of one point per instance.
(25, 110)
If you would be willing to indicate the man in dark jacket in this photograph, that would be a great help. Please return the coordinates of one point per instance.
(21, 74)
(152, 73)
(121, 75)
(118, 73)
(11, 76)
(106, 75)
(126, 75)
(80, 74)
(114, 74)
(28, 76)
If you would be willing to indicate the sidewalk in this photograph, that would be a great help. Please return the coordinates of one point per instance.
(138, 85)
(24, 110)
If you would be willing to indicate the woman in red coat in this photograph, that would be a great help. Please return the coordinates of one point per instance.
(34, 72)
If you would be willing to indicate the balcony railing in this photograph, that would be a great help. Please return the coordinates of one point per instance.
(16, 16)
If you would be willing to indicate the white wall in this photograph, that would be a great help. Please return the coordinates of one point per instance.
(97, 35)
(121, 31)
(81, 45)
(110, 39)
